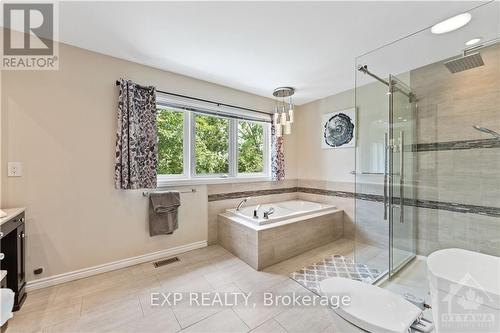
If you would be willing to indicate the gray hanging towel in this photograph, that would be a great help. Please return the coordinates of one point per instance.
(163, 212)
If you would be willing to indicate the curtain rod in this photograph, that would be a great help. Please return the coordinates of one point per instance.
(205, 100)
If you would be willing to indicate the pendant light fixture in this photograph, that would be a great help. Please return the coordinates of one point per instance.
(283, 111)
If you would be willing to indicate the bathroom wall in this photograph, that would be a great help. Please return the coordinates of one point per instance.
(61, 125)
(327, 175)
(458, 167)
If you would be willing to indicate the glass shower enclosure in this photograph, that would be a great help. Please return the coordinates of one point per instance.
(385, 218)
(427, 146)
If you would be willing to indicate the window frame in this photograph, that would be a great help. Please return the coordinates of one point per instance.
(189, 175)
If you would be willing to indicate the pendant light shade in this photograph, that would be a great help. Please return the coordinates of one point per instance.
(283, 118)
(288, 128)
(286, 118)
(278, 130)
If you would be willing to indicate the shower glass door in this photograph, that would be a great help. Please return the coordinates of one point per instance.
(399, 183)
(384, 223)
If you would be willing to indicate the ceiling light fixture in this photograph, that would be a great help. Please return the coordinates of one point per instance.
(473, 41)
(453, 23)
(283, 111)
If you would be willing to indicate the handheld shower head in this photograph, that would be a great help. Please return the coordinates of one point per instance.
(486, 130)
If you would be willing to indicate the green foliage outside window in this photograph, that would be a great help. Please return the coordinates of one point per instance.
(211, 144)
(170, 142)
(250, 147)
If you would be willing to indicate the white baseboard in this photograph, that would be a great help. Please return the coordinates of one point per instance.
(86, 272)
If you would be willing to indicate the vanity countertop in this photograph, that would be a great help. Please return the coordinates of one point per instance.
(11, 212)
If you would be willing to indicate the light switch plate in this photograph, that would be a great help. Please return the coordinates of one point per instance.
(14, 169)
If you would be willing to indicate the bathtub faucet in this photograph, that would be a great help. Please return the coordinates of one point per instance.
(241, 203)
(268, 212)
(256, 212)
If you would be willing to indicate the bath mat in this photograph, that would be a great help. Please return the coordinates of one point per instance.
(336, 265)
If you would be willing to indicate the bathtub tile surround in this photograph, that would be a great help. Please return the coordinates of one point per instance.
(224, 196)
(371, 228)
(333, 266)
(250, 193)
(261, 246)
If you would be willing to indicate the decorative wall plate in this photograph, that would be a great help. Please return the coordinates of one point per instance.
(339, 129)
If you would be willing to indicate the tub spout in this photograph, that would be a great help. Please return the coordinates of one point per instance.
(241, 203)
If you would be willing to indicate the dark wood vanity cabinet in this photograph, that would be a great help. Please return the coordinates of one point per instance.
(13, 246)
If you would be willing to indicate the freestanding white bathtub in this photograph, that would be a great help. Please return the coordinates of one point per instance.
(465, 291)
(295, 227)
(284, 210)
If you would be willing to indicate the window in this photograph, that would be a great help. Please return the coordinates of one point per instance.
(170, 142)
(211, 144)
(200, 145)
(250, 147)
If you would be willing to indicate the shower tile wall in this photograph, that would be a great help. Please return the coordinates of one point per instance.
(448, 106)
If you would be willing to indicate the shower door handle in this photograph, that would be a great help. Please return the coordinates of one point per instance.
(401, 177)
(386, 159)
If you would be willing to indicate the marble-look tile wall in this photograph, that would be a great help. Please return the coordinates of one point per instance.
(458, 173)
(369, 227)
(344, 203)
(438, 229)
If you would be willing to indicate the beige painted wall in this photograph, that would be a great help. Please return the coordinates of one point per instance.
(316, 163)
(61, 125)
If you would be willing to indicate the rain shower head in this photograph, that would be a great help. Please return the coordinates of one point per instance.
(486, 130)
(464, 62)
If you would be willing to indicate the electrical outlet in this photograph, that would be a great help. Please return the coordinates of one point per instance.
(14, 169)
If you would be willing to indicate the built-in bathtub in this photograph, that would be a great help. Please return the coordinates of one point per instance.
(283, 211)
(295, 227)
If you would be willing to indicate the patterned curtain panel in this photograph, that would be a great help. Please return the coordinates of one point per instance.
(277, 156)
(136, 143)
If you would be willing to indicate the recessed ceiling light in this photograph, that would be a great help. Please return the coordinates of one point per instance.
(453, 23)
(473, 41)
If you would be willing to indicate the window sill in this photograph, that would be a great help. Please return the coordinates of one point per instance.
(165, 182)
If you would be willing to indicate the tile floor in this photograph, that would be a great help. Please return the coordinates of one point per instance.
(120, 301)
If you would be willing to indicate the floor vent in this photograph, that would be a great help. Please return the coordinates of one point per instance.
(165, 262)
